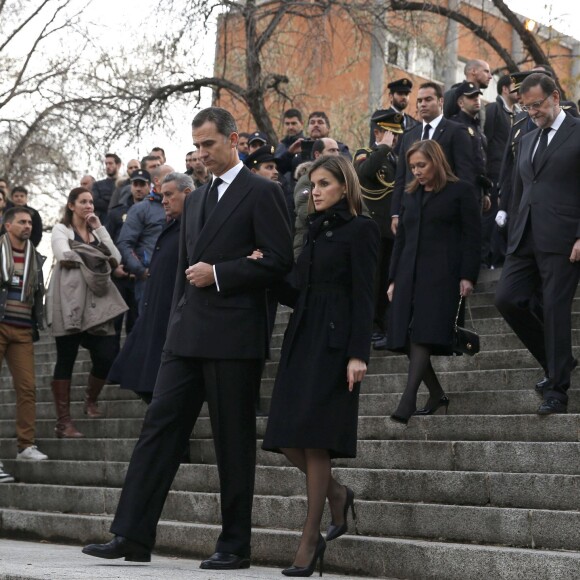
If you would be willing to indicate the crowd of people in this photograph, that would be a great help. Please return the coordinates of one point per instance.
(380, 248)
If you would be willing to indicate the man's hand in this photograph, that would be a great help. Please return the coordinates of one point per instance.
(200, 275)
(387, 139)
(355, 372)
(394, 225)
(575, 255)
(501, 218)
(391, 291)
(120, 272)
(486, 203)
(296, 147)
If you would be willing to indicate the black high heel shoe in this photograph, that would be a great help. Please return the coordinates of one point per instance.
(335, 531)
(304, 571)
(442, 402)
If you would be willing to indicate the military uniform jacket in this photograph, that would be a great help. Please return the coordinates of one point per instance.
(376, 172)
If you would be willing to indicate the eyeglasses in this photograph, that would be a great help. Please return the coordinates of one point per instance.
(535, 106)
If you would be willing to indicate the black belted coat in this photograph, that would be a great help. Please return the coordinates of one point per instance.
(332, 297)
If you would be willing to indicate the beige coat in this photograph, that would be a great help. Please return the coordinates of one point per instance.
(84, 298)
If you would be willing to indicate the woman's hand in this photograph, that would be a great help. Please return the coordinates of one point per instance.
(390, 291)
(355, 372)
(255, 255)
(387, 139)
(93, 221)
(465, 287)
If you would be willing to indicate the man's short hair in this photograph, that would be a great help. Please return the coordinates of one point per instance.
(115, 157)
(505, 81)
(182, 181)
(545, 82)
(10, 214)
(244, 134)
(472, 64)
(320, 114)
(291, 113)
(148, 158)
(19, 189)
(222, 119)
(436, 87)
(160, 150)
(318, 147)
(191, 152)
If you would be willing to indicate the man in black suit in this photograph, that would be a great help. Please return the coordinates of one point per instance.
(216, 342)
(453, 138)
(544, 239)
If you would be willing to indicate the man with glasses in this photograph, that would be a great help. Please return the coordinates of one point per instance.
(543, 251)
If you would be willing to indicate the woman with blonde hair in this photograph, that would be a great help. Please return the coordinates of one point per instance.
(435, 260)
(314, 411)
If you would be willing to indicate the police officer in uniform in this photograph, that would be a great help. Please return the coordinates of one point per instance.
(375, 167)
(468, 100)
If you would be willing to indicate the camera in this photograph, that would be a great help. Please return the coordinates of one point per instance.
(306, 153)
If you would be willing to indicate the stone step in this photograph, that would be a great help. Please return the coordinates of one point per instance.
(517, 427)
(392, 557)
(489, 402)
(486, 360)
(483, 525)
(497, 456)
(512, 490)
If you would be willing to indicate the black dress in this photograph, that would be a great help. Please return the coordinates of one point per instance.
(438, 244)
(332, 299)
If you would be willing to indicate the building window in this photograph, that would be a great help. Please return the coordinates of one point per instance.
(410, 55)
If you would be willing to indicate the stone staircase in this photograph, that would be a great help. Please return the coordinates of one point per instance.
(489, 491)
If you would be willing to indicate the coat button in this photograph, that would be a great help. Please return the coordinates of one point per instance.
(329, 234)
(325, 223)
(332, 325)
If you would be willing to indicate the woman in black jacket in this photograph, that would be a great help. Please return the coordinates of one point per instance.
(314, 411)
(436, 259)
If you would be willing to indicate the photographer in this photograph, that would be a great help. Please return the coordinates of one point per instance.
(320, 147)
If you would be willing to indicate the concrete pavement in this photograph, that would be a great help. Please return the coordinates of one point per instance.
(45, 561)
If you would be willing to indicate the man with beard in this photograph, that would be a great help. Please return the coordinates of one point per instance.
(103, 189)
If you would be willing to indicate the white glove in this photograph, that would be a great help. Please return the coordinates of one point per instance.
(501, 218)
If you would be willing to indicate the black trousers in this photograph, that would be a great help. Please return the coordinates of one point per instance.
(381, 287)
(546, 331)
(102, 349)
(182, 385)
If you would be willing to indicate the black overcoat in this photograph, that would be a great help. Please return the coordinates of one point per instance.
(332, 297)
(438, 243)
(137, 364)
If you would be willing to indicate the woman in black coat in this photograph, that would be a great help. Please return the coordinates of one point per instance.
(436, 259)
(314, 410)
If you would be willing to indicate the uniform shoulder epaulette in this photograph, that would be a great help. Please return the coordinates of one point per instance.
(362, 153)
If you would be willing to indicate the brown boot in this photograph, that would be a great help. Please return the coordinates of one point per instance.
(94, 388)
(64, 425)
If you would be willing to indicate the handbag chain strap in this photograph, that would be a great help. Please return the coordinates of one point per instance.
(468, 309)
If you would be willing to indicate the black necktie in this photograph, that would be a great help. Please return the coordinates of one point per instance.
(212, 197)
(426, 132)
(541, 149)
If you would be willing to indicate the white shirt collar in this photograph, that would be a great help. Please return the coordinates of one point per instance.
(230, 174)
(558, 120)
(433, 124)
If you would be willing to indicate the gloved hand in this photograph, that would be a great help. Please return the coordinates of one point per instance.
(501, 218)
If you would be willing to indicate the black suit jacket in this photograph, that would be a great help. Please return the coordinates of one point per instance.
(549, 196)
(231, 323)
(456, 144)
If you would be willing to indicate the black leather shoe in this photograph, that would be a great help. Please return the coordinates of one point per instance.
(377, 336)
(380, 344)
(552, 406)
(541, 385)
(225, 561)
(119, 547)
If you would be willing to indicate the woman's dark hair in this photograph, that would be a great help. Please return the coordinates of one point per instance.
(342, 169)
(72, 197)
(433, 152)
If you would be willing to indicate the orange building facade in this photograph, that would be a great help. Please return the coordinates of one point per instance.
(328, 62)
